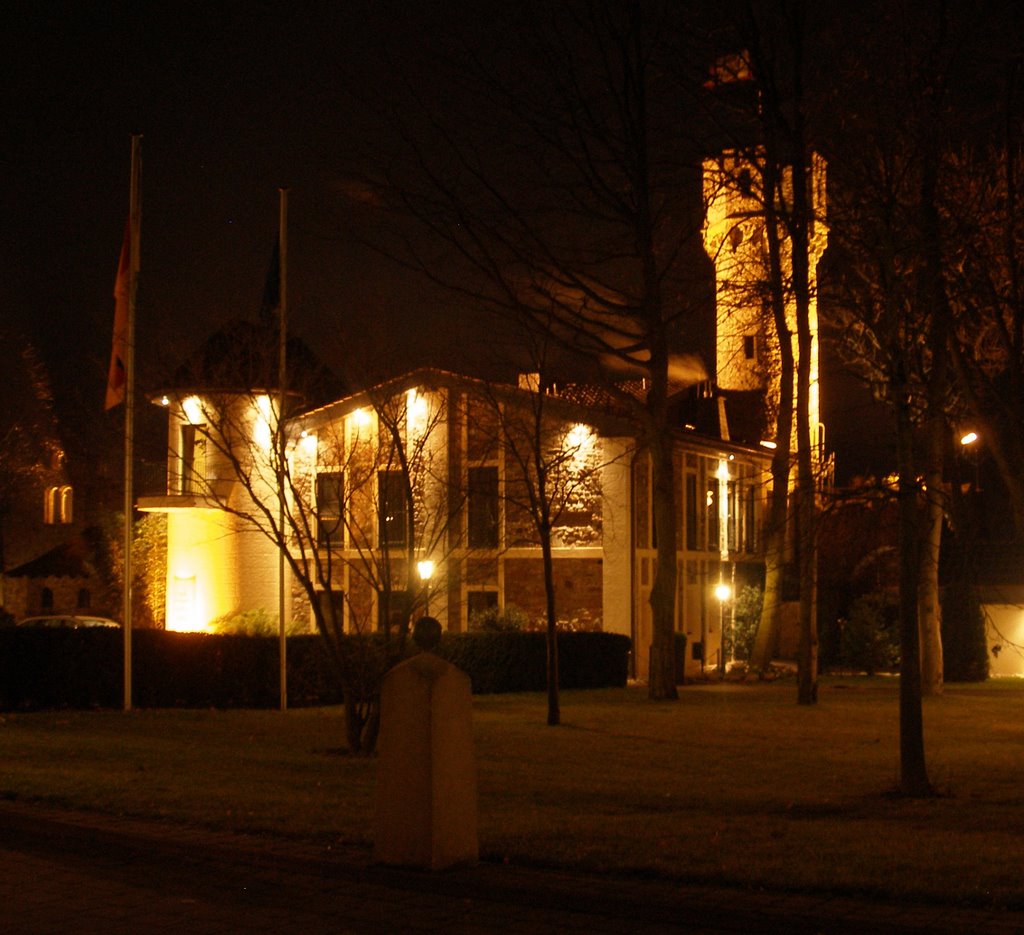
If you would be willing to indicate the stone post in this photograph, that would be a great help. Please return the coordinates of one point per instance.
(426, 811)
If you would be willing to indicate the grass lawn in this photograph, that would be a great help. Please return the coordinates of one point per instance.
(733, 784)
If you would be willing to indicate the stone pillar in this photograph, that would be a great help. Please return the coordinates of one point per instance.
(426, 811)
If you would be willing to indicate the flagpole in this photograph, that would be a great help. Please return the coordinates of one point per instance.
(282, 236)
(135, 223)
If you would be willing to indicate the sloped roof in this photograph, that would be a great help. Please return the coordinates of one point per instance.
(68, 560)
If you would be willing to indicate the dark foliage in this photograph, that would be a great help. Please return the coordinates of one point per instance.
(83, 668)
(964, 646)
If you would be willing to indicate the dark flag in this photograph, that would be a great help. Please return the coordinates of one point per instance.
(116, 376)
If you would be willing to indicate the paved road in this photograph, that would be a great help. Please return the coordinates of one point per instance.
(63, 872)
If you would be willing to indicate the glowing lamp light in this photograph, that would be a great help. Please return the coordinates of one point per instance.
(308, 443)
(165, 401)
(969, 438)
(579, 436)
(722, 591)
(425, 569)
(193, 410)
(361, 418)
(771, 446)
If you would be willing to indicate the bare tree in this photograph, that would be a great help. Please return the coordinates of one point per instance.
(778, 181)
(552, 491)
(565, 189)
(365, 497)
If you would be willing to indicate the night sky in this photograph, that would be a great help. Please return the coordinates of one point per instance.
(233, 101)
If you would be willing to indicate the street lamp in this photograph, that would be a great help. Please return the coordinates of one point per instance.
(426, 572)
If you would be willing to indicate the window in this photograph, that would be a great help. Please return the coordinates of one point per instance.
(65, 504)
(751, 522)
(750, 347)
(483, 508)
(393, 508)
(332, 605)
(58, 505)
(478, 603)
(691, 512)
(330, 504)
(46, 599)
(712, 523)
(193, 459)
(84, 599)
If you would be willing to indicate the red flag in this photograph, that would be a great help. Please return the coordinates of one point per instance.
(117, 376)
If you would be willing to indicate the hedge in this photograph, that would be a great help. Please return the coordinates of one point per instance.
(83, 668)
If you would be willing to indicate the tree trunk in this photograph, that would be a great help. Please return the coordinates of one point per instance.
(554, 711)
(913, 770)
(778, 512)
(934, 300)
(928, 607)
(662, 675)
(807, 494)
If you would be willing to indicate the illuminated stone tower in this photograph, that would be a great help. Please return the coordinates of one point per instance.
(746, 345)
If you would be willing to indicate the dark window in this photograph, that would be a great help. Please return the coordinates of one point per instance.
(483, 508)
(712, 514)
(393, 508)
(751, 524)
(193, 459)
(332, 606)
(83, 599)
(330, 503)
(750, 346)
(46, 599)
(691, 512)
(479, 602)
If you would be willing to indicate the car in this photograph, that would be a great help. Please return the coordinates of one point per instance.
(69, 621)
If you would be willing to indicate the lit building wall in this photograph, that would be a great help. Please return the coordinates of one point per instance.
(616, 542)
(735, 239)
(202, 551)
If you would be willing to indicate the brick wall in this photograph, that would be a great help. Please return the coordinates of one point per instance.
(578, 589)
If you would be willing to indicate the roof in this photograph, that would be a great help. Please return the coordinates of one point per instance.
(68, 560)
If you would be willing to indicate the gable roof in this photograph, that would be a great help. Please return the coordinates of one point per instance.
(68, 560)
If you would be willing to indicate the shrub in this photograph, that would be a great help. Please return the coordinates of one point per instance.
(500, 619)
(83, 668)
(253, 623)
(746, 617)
(512, 662)
(870, 639)
(964, 645)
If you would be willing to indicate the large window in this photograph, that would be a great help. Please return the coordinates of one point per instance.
(483, 508)
(392, 505)
(330, 505)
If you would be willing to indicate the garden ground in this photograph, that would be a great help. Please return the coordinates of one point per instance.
(735, 785)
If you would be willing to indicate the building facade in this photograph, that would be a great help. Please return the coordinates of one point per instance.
(430, 493)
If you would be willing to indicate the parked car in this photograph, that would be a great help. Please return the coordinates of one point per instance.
(71, 621)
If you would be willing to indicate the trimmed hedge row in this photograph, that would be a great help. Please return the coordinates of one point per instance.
(517, 662)
(83, 668)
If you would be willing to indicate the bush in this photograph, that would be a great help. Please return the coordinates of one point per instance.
(515, 662)
(253, 623)
(84, 668)
(964, 645)
(870, 637)
(500, 619)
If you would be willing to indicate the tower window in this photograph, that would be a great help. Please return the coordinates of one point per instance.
(750, 347)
